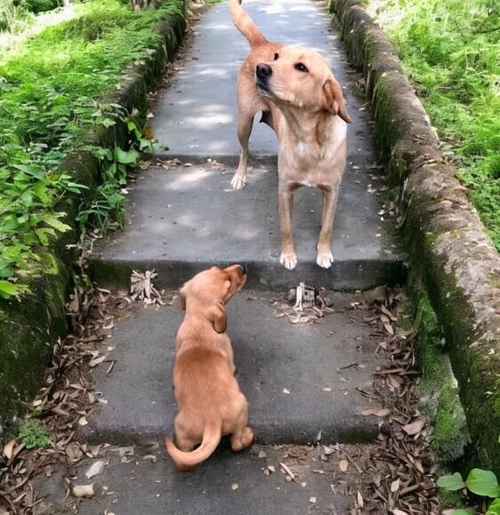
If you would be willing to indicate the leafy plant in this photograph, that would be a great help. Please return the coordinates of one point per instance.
(49, 101)
(482, 483)
(450, 50)
(34, 435)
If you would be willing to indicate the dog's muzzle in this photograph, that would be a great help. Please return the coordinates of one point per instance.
(263, 72)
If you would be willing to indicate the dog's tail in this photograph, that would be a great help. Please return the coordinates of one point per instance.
(246, 25)
(211, 438)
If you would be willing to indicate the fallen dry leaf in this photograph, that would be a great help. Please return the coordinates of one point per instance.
(73, 452)
(83, 490)
(288, 471)
(343, 465)
(95, 469)
(388, 327)
(395, 485)
(382, 412)
(415, 427)
(97, 361)
(8, 450)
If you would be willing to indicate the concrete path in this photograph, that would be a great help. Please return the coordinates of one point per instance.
(300, 380)
(305, 384)
(197, 115)
(138, 480)
(184, 219)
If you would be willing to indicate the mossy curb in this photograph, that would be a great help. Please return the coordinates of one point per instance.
(447, 243)
(30, 326)
(439, 388)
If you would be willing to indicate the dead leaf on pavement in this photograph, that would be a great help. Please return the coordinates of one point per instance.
(360, 499)
(83, 490)
(73, 452)
(95, 469)
(343, 465)
(8, 450)
(290, 475)
(97, 361)
(382, 412)
(415, 427)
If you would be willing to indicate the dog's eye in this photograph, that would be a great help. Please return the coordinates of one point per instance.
(301, 67)
(276, 56)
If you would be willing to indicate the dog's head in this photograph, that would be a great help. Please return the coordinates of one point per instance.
(213, 289)
(301, 78)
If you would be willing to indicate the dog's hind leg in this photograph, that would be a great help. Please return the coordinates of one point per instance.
(245, 125)
(242, 439)
(243, 436)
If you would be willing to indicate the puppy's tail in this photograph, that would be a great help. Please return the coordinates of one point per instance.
(211, 438)
(246, 25)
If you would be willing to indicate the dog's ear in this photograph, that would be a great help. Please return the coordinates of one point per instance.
(218, 317)
(334, 100)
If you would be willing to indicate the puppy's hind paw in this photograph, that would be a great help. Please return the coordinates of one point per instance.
(238, 182)
(288, 260)
(324, 259)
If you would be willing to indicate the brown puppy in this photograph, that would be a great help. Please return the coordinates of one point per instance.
(302, 101)
(209, 399)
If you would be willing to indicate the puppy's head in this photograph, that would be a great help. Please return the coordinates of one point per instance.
(301, 78)
(212, 289)
(215, 284)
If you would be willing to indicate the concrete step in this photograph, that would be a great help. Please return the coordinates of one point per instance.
(143, 481)
(185, 219)
(303, 382)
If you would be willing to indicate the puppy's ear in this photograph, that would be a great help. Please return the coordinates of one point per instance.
(334, 100)
(218, 317)
(182, 298)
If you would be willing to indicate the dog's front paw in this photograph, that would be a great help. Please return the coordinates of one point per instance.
(288, 259)
(239, 181)
(324, 258)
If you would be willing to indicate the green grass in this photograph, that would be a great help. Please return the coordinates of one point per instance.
(49, 98)
(451, 51)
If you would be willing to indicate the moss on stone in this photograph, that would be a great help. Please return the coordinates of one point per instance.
(440, 396)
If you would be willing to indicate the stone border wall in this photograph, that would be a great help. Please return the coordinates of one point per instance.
(448, 246)
(30, 326)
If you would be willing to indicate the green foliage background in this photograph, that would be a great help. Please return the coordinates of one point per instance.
(50, 96)
(451, 51)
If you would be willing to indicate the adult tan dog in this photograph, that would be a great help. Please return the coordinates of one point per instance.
(302, 101)
(209, 399)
